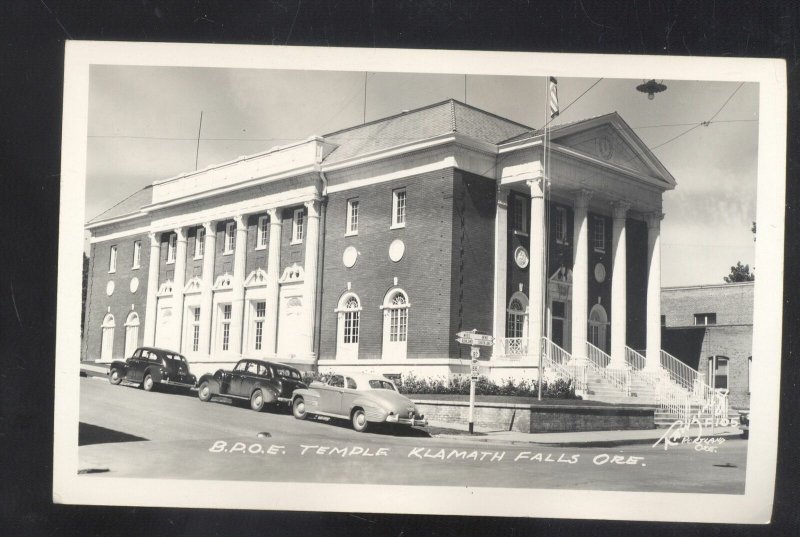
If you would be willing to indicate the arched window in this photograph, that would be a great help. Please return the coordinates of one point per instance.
(598, 327)
(395, 324)
(107, 341)
(516, 327)
(131, 333)
(718, 372)
(349, 320)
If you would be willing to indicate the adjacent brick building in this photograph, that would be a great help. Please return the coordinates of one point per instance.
(371, 247)
(710, 329)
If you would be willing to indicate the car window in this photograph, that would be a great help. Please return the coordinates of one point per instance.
(171, 356)
(263, 370)
(241, 366)
(337, 381)
(252, 367)
(381, 385)
(137, 353)
(288, 373)
(351, 384)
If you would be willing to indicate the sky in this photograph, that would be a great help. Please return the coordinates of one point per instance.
(144, 121)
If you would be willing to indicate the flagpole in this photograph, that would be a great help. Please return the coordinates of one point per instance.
(541, 259)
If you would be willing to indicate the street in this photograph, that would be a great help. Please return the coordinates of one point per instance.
(127, 432)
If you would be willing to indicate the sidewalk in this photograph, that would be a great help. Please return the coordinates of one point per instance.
(91, 369)
(578, 439)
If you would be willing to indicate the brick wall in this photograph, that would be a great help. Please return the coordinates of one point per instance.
(121, 300)
(732, 303)
(292, 253)
(423, 272)
(472, 269)
(255, 258)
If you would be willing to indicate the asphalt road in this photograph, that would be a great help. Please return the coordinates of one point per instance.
(126, 432)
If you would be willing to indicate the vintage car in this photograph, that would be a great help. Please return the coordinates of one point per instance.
(260, 382)
(150, 366)
(358, 397)
(744, 423)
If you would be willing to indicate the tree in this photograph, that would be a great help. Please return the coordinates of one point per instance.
(740, 273)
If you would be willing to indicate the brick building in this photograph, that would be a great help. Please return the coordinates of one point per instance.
(372, 246)
(710, 329)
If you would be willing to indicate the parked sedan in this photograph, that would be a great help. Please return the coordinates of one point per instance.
(150, 366)
(260, 382)
(358, 397)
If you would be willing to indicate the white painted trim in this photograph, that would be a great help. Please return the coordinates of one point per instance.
(447, 162)
(118, 235)
(125, 218)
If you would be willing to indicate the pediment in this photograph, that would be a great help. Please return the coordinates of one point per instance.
(610, 140)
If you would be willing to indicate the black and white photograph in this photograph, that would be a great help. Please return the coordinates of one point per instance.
(419, 281)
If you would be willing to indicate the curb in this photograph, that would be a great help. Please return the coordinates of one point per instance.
(567, 444)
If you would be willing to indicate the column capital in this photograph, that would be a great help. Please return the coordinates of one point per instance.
(210, 226)
(654, 219)
(240, 221)
(582, 198)
(313, 208)
(181, 233)
(274, 215)
(537, 187)
(154, 239)
(619, 209)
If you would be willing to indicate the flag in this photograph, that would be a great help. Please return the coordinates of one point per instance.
(553, 98)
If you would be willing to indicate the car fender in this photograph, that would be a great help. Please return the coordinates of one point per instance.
(269, 392)
(374, 410)
(120, 366)
(154, 371)
(310, 396)
(212, 381)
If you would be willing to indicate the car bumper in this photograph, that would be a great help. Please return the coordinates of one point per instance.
(414, 422)
(285, 400)
(181, 383)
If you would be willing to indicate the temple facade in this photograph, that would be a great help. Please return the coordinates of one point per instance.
(369, 248)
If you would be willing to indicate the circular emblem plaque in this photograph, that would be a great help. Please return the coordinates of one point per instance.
(349, 256)
(134, 284)
(110, 288)
(396, 250)
(521, 257)
(600, 273)
(604, 147)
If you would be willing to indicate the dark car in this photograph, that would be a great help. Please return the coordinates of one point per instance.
(149, 366)
(744, 423)
(262, 383)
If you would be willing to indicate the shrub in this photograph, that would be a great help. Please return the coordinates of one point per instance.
(459, 385)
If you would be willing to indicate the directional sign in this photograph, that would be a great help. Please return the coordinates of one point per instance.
(474, 370)
(471, 338)
(475, 352)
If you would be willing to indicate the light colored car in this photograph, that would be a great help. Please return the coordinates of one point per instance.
(359, 397)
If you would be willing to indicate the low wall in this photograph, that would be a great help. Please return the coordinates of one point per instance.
(540, 418)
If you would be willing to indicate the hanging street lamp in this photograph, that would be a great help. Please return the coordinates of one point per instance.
(651, 87)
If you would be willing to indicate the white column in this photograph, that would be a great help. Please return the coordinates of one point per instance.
(207, 294)
(500, 269)
(152, 289)
(273, 274)
(237, 283)
(653, 354)
(310, 267)
(619, 294)
(178, 282)
(580, 275)
(536, 286)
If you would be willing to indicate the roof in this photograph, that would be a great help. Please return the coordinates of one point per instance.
(420, 124)
(128, 206)
(531, 133)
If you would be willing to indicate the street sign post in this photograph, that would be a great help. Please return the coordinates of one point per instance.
(475, 341)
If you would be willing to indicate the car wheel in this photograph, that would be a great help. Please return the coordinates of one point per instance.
(360, 422)
(745, 434)
(204, 392)
(114, 378)
(299, 409)
(148, 384)
(257, 401)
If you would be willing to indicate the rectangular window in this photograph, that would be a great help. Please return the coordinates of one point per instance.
(226, 326)
(561, 225)
(599, 234)
(230, 237)
(298, 226)
(261, 310)
(112, 260)
(702, 319)
(263, 232)
(663, 320)
(200, 243)
(399, 208)
(173, 238)
(519, 215)
(398, 328)
(352, 217)
(195, 329)
(137, 254)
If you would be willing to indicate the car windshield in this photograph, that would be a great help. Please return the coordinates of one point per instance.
(287, 373)
(381, 385)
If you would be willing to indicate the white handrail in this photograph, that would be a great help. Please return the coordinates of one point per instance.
(635, 360)
(599, 362)
(679, 372)
(561, 361)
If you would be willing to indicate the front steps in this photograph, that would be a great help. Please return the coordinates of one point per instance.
(600, 389)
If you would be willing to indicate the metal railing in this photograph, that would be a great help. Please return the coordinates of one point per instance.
(635, 360)
(514, 346)
(598, 361)
(561, 361)
(680, 373)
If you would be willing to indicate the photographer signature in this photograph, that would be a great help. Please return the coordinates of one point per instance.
(678, 434)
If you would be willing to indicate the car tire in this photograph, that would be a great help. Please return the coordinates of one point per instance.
(299, 408)
(359, 419)
(204, 392)
(113, 377)
(148, 383)
(745, 434)
(257, 401)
